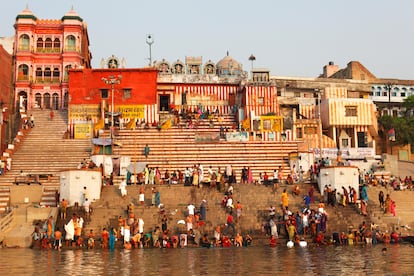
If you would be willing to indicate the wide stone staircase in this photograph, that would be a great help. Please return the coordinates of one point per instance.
(43, 150)
(256, 201)
(404, 210)
(181, 147)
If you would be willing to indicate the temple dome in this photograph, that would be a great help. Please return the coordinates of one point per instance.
(228, 66)
(26, 14)
(72, 15)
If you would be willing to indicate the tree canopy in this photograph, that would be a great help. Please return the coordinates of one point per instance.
(403, 126)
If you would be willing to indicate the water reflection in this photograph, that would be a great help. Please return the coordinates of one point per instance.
(218, 261)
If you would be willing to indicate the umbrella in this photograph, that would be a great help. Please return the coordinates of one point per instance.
(136, 167)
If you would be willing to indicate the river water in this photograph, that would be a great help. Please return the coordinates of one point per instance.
(255, 260)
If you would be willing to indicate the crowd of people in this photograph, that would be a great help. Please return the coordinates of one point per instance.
(298, 226)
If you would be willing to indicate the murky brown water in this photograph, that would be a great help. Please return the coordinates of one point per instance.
(330, 260)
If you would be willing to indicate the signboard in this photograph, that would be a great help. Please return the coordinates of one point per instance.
(83, 111)
(83, 131)
(271, 123)
(349, 153)
(207, 137)
(131, 111)
(242, 136)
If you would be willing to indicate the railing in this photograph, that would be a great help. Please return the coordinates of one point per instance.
(6, 223)
(23, 78)
(48, 50)
(48, 80)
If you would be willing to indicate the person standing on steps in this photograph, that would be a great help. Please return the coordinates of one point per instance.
(32, 123)
(51, 115)
(147, 150)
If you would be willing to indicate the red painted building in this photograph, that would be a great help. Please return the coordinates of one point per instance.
(44, 51)
(6, 97)
(95, 93)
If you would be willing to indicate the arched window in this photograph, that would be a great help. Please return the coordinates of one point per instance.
(23, 72)
(38, 100)
(39, 74)
(56, 45)
(48, 44)
(47, 74)
(70, 43)
(66, 100)
(66, 73)
(46, 100)
(55, 101)
(24, 42)
(56, 75)
(39, 44)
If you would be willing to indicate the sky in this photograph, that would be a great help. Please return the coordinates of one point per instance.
(293, 38)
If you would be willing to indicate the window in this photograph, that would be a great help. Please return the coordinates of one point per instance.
(39, 44)
(394, 113)
(24, 43)
(56, 44)
(104, 93)
(260, 101)
(299, 133)
(395, 92)
(39, 72)
(56, 72)
(127, 93)
(351, 111)
(70, 43)
(66, 72)
(48, 43)
(345, 143)
(23, 72)
(48, 73)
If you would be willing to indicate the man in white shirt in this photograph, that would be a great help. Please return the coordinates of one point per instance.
(190, 209)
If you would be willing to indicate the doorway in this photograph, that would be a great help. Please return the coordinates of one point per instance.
(164, 103)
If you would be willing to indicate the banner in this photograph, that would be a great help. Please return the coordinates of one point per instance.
(83, 111)
(131, 111)
(83, 131)
(271, 123)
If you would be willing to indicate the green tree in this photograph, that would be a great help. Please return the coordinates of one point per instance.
(408, 104)
(403, 126)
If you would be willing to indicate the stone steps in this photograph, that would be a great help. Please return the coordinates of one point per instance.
(43, 149)
(4, 199)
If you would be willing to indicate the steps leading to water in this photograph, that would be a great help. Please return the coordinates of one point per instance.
(44, 150)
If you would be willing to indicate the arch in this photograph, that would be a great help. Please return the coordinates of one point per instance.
(38, 100)
(48, 44)
(56, 44)
(23, 72)
(56, 74)
(47, 73)
(39, 44)
(39, 74)
(66, 72)
(24, 42)
(70, 43)
(55, 101)
(209, 68)
(21, 101)
(46, 100)
(66, 100)
(178, 67)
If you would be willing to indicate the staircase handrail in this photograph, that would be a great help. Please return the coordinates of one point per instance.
(6, 222)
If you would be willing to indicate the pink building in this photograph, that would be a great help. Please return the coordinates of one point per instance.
(44, 51)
